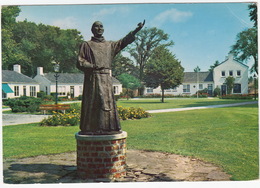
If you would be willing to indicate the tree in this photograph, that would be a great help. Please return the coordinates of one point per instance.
(122, 65)
(129, 82)
(142, 48)
(230, 84)
(213, 66)
(247, 41)
(11, 51)
(43, 43)
(163, 70)
(253, 13)
(246, 47)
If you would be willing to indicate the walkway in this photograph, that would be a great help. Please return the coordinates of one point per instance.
(142, 166)
(201, 107)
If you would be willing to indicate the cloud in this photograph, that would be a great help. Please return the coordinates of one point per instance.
(172, 15)
(66, 23)
(109, 11)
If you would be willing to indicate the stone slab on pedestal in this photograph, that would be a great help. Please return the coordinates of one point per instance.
(101, 156)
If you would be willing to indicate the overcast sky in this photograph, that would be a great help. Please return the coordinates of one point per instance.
(202, 32)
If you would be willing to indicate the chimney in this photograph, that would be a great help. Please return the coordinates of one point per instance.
(231, 56)
(40, 71)
(17, 68)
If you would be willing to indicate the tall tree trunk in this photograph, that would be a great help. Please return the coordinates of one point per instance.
(162, 95)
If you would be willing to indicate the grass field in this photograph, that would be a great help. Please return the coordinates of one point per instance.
(227, 137)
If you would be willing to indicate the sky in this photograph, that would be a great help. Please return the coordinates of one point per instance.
(202, 32)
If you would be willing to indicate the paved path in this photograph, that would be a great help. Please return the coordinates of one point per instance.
(142, 166)
(16, 119)
(201, 107)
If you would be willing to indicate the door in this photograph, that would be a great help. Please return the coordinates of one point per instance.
(72, 91)
(223, 89)
(210, 89)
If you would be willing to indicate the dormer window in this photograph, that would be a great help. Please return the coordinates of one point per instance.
(238, 73)
(223, 73)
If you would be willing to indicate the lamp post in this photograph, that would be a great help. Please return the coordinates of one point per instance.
(197, 70)
(56, 75)
(255, 83)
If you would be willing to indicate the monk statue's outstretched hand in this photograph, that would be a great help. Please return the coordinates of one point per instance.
(140, 26)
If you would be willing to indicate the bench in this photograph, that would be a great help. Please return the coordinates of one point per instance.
(54, 107)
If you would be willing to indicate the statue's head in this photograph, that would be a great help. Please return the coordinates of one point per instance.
(97, 29)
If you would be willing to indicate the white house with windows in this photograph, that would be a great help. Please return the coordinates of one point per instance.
(15, 84)
(69, 84)
(237, 70)
(192, 81)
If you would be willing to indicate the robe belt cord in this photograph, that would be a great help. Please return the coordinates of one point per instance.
(102, 71)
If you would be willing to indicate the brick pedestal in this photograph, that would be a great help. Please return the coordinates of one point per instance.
(101, 156)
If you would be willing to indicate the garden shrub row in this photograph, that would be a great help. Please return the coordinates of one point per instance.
(236, 96)
(131, 113)
(24, 104)
(72, 117)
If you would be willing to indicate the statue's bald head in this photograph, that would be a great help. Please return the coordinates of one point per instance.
(97, 29)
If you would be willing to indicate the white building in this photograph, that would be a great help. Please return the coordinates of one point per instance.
(235, 69)
(69, 84)
(193, 81)
(15, 84)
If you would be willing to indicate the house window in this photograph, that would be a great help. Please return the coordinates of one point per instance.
(167, 90)
(116, 90)
(149, 90)
(61, 90)
(174, 89)
(238, 73)
(223, 73)
(186, 88)
(237, 88)
(32, 91)
(80, 90)
(230, 73)
(200, 86)
(16, 91)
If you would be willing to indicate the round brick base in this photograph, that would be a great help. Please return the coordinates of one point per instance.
(101, 156)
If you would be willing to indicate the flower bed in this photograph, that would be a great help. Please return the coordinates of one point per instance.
(131, 113)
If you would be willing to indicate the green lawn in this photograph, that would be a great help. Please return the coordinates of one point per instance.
(227, 137)
(153, 104)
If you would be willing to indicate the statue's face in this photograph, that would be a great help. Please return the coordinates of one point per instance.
(97, 29)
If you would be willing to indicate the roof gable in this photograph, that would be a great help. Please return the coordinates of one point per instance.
(15, 77)
(231, 59)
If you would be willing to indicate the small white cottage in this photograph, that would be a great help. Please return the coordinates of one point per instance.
(69, 84)
(15, 84)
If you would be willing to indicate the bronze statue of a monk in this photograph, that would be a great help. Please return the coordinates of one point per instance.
(98, 112)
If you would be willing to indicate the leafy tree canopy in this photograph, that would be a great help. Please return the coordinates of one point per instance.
(146, 41)
(163, 69)
(122, 65)
(246, 47)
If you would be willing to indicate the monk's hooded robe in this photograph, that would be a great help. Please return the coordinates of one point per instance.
(98, 112)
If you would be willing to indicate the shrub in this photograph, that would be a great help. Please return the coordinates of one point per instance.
(41, 94)
(216, 91)
(236, 96)
(59, 119)
(24, 104)
(131, 113)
